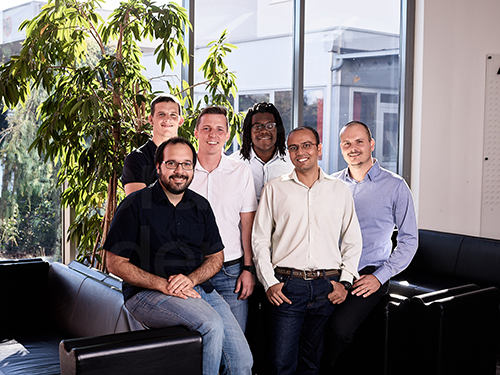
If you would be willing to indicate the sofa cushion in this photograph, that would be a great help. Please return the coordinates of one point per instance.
(479, 261)
(26, 356)
(97, 310)
(111, 280)
(84, 305)
(64, 287)
(437, 254)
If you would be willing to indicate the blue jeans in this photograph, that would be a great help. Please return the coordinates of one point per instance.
(297, 330)
(224, 282)
(224, 344)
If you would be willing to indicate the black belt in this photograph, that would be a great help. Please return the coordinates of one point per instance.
(306, 274)
(230, 263)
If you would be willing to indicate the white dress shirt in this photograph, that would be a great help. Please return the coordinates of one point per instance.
(230, 191)
(264, 172)
(306, 228)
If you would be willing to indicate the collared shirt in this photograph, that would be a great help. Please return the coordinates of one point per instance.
(139, 165)
(229, 189)
(384, 200)
(161, 238)
(306, 228)
(264, 172)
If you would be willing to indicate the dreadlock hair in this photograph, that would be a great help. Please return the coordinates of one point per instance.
(262, 107)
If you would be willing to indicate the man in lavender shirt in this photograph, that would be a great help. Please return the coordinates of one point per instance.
(383, 201)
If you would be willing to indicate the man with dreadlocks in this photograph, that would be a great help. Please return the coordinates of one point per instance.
(263, 145)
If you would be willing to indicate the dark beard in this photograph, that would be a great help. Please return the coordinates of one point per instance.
(173, 187)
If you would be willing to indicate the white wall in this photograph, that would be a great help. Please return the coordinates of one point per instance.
(453, 38)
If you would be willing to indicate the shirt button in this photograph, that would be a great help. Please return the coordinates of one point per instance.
(178, 223)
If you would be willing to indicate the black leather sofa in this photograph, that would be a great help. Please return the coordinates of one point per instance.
(57, 319)
(441, 315)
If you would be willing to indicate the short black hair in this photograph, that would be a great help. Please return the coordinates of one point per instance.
(173, 141)
(262, 107)
(368, 131)
(213, 110)
(316, 135)
(164, 98)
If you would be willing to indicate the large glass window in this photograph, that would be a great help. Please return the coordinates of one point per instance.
(351, 72)
(351, 64)
(352, 52)
(262, 31)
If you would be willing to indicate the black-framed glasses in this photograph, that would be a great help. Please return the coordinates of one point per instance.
(305, 146)
(259, 127)
(170, 164)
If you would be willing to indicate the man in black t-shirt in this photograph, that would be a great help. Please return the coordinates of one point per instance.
(165, 245)
(139, 169)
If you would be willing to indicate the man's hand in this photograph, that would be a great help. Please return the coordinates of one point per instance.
(276, 296)
(179, 283)
(365, 286)
(245, 285)
(339, 293)
(181, 286)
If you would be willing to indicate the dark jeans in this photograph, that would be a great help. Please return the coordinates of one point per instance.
(297, 330)
(345, 320)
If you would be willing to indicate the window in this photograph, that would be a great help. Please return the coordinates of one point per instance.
(351, 64)
(353, 53)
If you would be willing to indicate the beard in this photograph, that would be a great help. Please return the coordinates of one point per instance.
(175, 187)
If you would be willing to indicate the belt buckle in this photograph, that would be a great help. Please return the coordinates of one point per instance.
(304, 275)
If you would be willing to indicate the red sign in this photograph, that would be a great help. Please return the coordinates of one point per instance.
(7, 26)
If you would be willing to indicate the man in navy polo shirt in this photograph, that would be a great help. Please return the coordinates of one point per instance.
(139, 169)
(165, 245)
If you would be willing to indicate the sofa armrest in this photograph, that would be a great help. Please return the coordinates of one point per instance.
(430, 297)
(455, 333)
(23, 287)
(173, 350)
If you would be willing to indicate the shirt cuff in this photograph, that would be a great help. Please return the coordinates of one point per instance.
(382, 274)
(346, 275)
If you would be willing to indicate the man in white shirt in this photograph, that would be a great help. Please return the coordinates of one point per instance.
(263, 145)
(307, 243)
(228, 186)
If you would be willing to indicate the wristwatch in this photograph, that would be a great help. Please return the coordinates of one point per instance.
(250, 269)
(347, 285)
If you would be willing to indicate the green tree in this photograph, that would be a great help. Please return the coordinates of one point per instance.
(96, 110)
(30, 208)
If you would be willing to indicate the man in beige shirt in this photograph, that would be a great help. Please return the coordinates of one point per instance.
(306, 243)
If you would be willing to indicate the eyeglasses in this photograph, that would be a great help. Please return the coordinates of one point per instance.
(259, 127)
(305, 146)
(170, 164)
